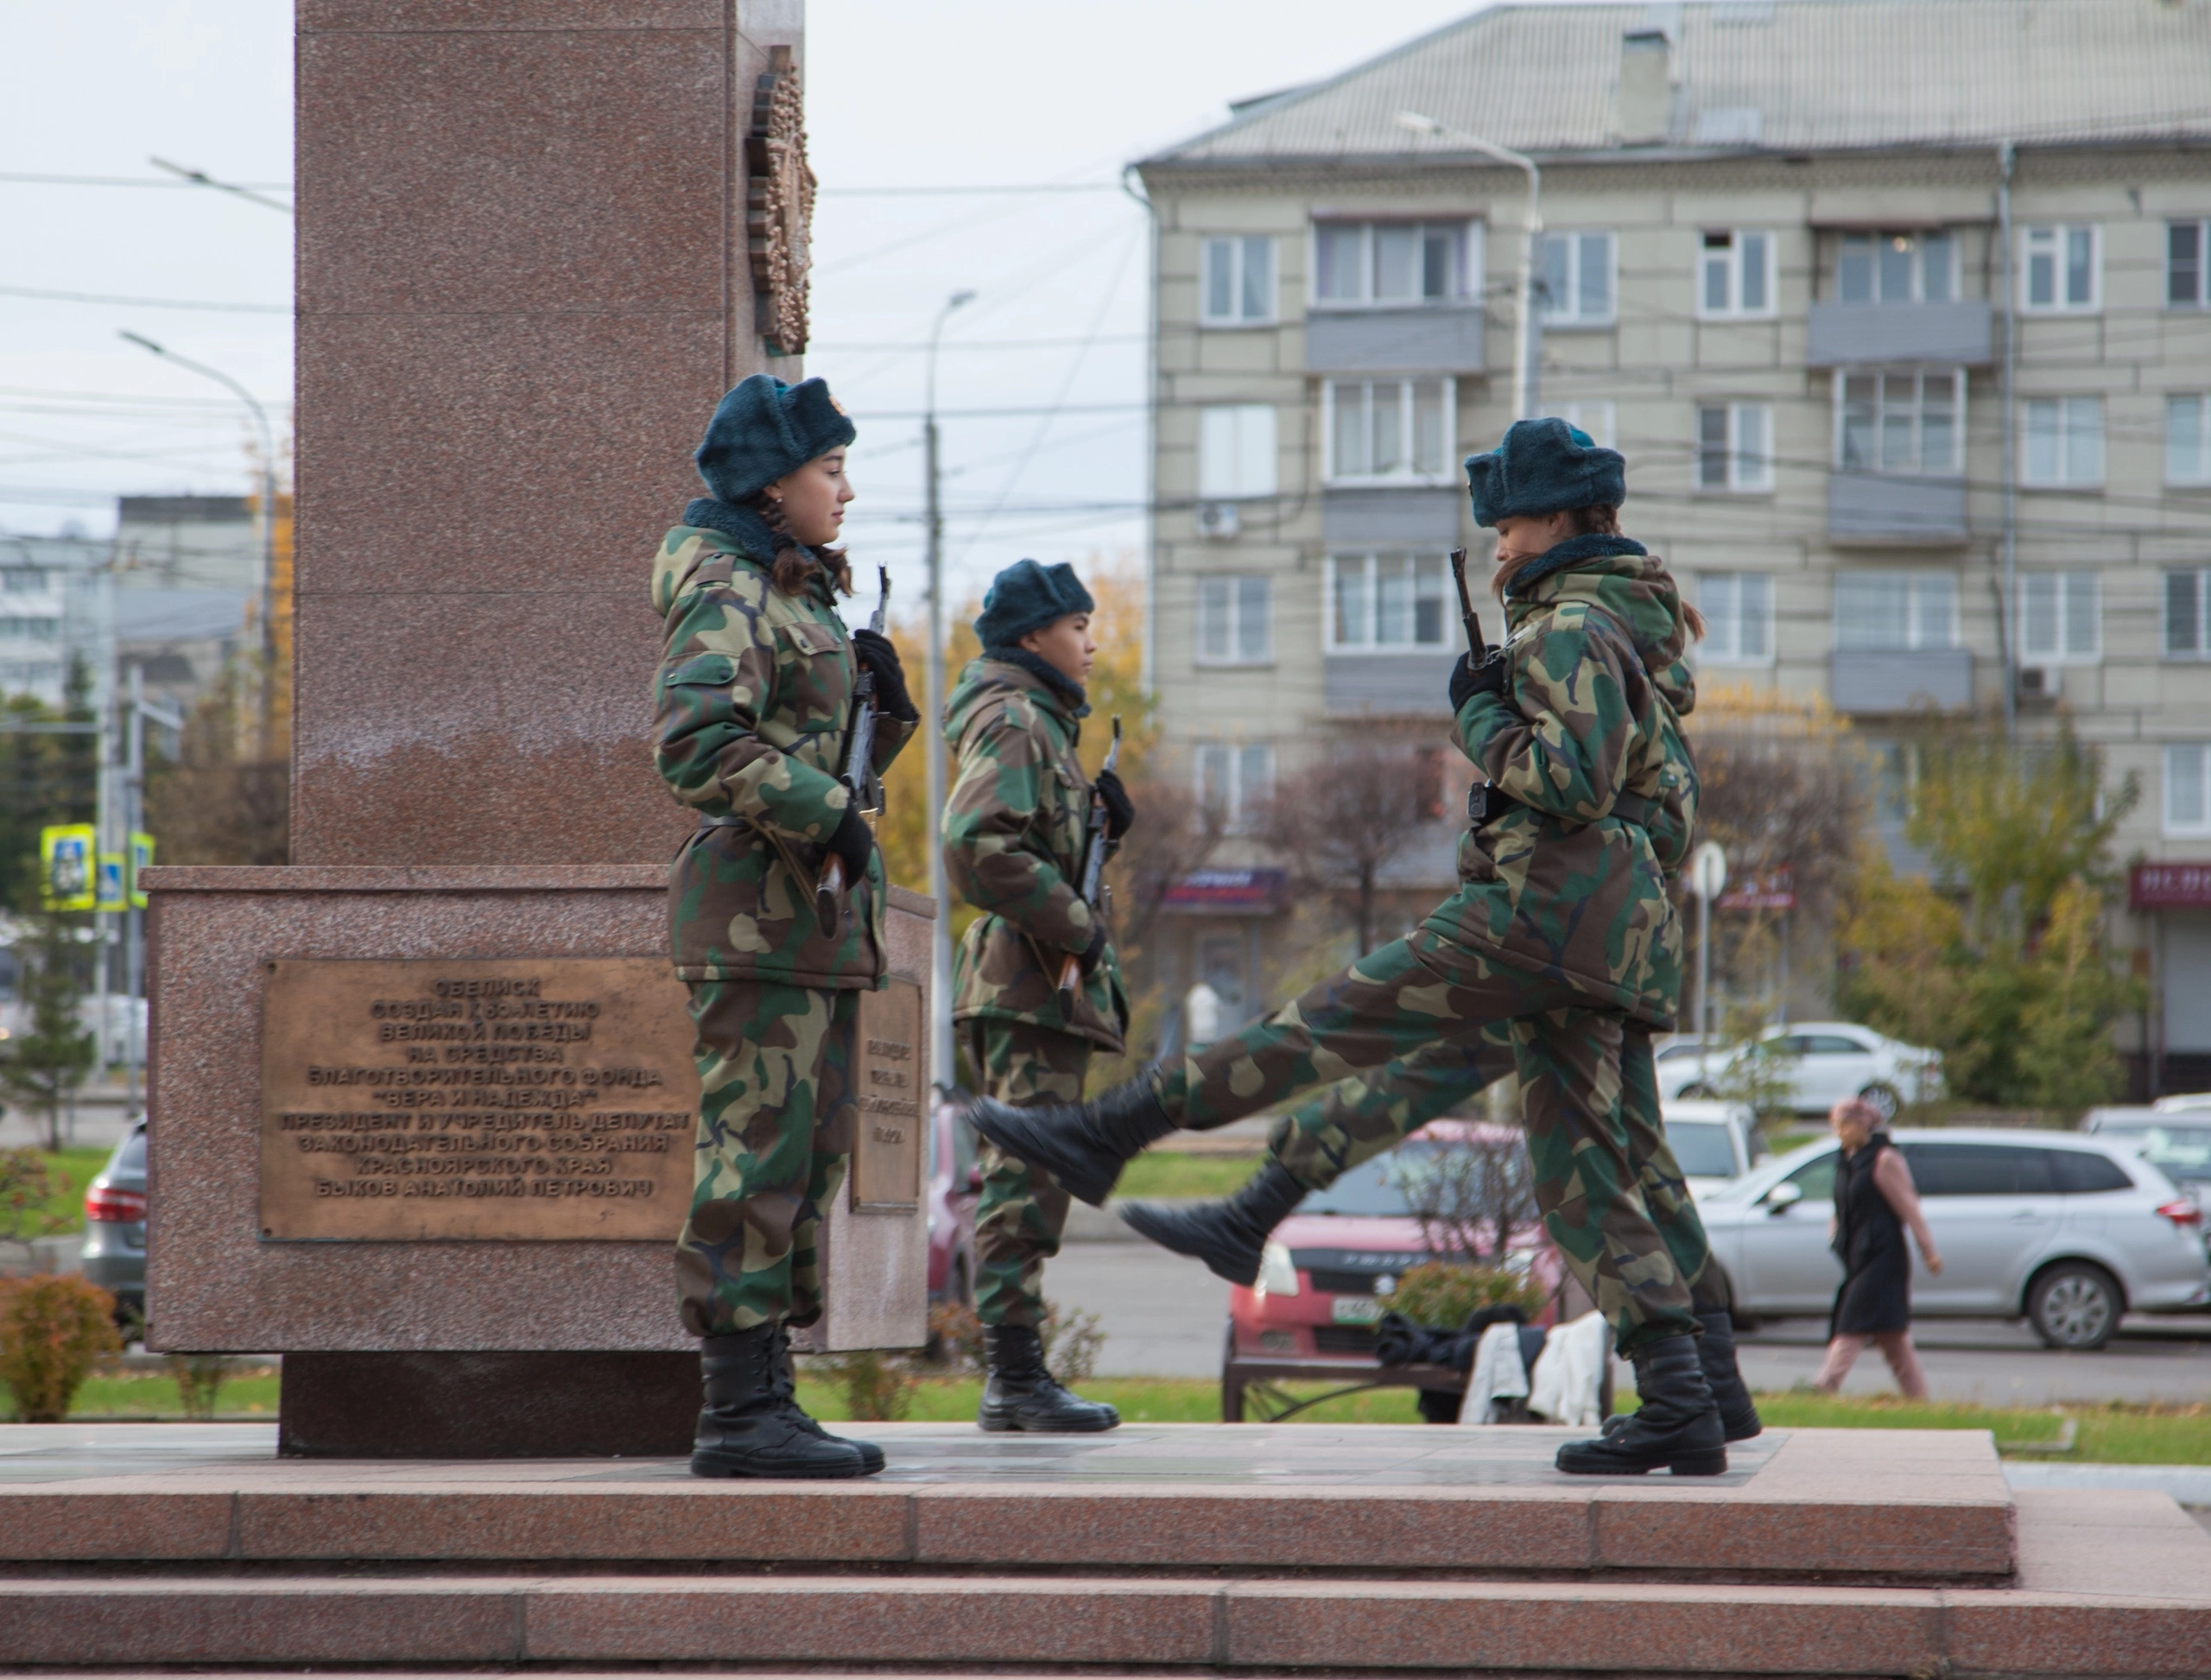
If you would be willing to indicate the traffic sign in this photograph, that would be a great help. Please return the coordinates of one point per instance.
(1709, 870)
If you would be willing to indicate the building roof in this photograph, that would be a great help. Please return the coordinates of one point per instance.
(1754, 76)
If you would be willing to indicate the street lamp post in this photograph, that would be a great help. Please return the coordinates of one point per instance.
(941, 1067)
(268, 524)
(1524, 337)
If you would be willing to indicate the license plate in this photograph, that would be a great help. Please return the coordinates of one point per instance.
(1356, 1310)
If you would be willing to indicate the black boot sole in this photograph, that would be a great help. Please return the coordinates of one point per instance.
(711, 1463)
(1005, 1420)
(1688, 1464)
(1165, 1229)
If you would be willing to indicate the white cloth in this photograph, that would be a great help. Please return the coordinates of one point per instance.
(1570, 1373)
(1499, 1374)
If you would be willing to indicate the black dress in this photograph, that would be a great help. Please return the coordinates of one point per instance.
(1869, 1239)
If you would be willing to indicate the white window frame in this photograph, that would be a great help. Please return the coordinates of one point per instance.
(1247, 773)
(1707, 254)
(1446, 471)
(2066, 411)
(1915, 583)
(1597, 415)
(1370, 567)
(2193, 622)
(1720, 596)
(1954, 467)
(1919, 236)
(1467, 286)
(1250, 470)
(2197, 470)
(1567, 313)
(1237, 250)
(2052, 241)
(1224, 617)
(2190, 760)
(1749, 472)
(2075, 590)
(2202, 297)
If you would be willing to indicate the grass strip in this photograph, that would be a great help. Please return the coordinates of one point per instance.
(1165, 1173)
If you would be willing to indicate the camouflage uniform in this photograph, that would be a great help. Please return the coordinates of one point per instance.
(1562, 926)
(754, 700)
(1015, 828)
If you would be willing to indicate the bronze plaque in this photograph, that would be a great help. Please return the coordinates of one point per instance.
(892, 1081)
(551, 1099)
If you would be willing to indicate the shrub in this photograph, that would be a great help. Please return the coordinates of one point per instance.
(54, 1327)
(1072, 1341)
(199, 1380)
(1440, 1295)
(878, 1387)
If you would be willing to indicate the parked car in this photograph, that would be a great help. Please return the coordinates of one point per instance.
(2183, 1102)
(2169, 1139)
(113, 1254)
(1825, 1060)
(1713, 1143)
(955, 1188)
(2066, 1230)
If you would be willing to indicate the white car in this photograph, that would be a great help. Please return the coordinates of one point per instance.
(1826, 1061)
(1713, 1143)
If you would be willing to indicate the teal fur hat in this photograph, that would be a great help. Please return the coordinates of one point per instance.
(764, 429)
(1544, 466)
(1026, 597)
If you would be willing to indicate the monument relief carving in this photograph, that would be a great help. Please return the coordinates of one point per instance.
(779, 206)
(433, 1097)
(887, 1159)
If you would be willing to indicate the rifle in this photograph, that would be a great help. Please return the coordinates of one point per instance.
(1477, 649)
(858, 774)
(1096, 849)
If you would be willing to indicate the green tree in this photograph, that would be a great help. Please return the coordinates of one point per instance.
(46, 778)
(52, 1056)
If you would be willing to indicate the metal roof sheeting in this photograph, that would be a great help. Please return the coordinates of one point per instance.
(1790, 76)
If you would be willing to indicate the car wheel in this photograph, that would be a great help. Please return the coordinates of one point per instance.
(2076, 1306)
(1884, 1100)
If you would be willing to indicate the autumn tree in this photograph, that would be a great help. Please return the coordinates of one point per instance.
(1340, 824)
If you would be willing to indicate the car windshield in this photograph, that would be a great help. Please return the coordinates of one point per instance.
(2184, 1151)
(1701, 1148)
(1373, 1189)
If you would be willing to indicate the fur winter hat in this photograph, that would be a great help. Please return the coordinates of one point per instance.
(1026, 597)
(1544, 466)
(764, 429)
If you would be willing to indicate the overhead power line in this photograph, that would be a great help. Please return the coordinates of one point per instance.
(145, 302)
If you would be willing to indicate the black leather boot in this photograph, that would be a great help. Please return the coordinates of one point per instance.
(751, 1425)
(1677, 1428)
(1082, 1144)
(1715, 1352)
(1227, 1234)
(1020, 1394)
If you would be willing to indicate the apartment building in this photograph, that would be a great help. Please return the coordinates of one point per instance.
(1900, 310)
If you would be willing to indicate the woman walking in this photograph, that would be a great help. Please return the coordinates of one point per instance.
(1874, 1203)
(755, 703)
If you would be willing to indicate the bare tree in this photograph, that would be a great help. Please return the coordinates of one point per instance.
(1470, 1189)
(1173, 835)
(1339, 824)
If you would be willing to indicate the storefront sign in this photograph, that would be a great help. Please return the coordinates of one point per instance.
(1228, 892)
(1775, 890)
(2169, 887)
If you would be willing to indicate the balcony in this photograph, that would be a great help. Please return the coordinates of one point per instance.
(1386, 684)
(1416, 516)
(1870, 510)
(1430, 339)
(1864, 681)
(1845, 334)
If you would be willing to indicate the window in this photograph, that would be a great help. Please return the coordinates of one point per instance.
(1393, 263)
(2188, 264)
(1734, 447)
(1895, 612)
(1239, 285)
(36, 629)
(1389, 428)
(2057, 616)
(1236, 452)
(1575, 271)
(2187, 592)
(1738, 608)
(1233, 625)
(1380, 603)
(1897, 268)
(1900, 420)
(1735, 276)
(2061, 441)
(1233, 779)
(23, 579)
(2058, 269)
(2187, 440)
(2187, 787)
(1979, 1170)
(2080, 1173)
(1594, 416)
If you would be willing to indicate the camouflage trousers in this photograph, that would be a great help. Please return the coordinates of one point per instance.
(1018, 1221)
(777, 1117)
(1394, 1002)
(1368, 1114)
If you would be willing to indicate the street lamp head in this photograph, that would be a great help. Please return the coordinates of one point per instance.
(142, 341)
(959, 300)
(1418, 123)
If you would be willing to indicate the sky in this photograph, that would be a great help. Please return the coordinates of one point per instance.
(1026, 93)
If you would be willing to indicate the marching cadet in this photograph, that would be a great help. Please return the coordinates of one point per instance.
(755, 706)
(1015, 829)
(1562, 926)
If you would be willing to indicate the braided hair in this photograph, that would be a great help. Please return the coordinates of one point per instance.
(795, 562)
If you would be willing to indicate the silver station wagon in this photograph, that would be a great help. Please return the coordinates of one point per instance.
(2064, 1230)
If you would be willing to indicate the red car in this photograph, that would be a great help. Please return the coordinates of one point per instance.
(1328, 1273)
(955, 1188)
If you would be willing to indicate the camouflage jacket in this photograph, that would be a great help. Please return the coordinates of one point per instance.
(1015, 826)
(1562, 884)
(752, 706)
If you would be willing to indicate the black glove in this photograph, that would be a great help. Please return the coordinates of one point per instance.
(853, 842)
(880, 660)
(1095, 951)
(1468, 679)
(1120, 810)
